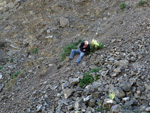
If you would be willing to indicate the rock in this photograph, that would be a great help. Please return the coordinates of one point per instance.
(104, 73)
(67, 92)
(117, 91)
(147, 85)
(125, 98)
(39, 107)
(122, 63)
(115, 108)
(87, 98)
(107, 103)
(10, 5)
(147, 109)
(128, 103)
(74, 81)
(63, 22)
(1, 56)
(91, 103)
(78, 103)
(1, 87)
(126, 86)
(1, 76)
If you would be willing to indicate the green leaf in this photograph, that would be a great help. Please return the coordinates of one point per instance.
(112, 96)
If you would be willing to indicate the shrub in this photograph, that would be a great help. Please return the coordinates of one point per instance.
(14, 75)
(96, 69)
(142, 2)
(67, 49)
(1, 68)
(87, 79)
(123, 6)
(35, 50)
(11, 60)
(96, 45)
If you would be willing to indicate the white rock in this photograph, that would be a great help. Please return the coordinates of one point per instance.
(1, 76)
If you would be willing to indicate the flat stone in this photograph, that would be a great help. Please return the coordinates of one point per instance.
(74, 81)
(1, 76)
(147, 85)
(117, 91)
(67, 92)
(63, 22)
(147, 109)
(126, 86)
(116, 108)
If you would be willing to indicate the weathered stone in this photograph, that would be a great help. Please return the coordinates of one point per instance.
(117, 91)
(1, 76)
(39, 107)
(91, 103)
(147, 85)
(74, 81)
(1, 87)
(123, 63)
(78, 103)
(87, 98)
(63, 22)
(115, 108)
(67, 92)
(147, 109)
(126, 86)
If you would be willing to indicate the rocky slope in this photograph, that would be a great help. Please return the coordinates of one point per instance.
(32, 77)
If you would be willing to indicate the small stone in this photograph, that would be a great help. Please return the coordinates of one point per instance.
(1, 76)
(67, 92)
(123, 63)
(91, 103)
(147, 109)
(39, 107)
(116, 108)
(147, 85)
(74, 81)
(63, 22)
(87, 98)
(125, 98)
(126, 86)
(117, 91)
(78, 103)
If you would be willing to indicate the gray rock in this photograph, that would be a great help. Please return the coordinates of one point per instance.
(147, 85)
(74, 81)
(91, 103)
(116, 108)
(1, 87)
(123, 63)
(78, 103)
(126, 86)
(39, 107)
(1, 76)
(117, 91)
(67, 92)
(147, 109)
(63, 22)
(87, 98)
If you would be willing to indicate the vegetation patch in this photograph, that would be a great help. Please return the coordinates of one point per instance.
(87, 78)
(1, 68)
(14, 75)
(123, 6)
(35, 50)
(142, 2)
(67, 49)
(11, 60)
(95, 45)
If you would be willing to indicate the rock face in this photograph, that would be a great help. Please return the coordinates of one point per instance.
(32, 76)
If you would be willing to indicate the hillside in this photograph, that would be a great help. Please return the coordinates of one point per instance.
(34, 79)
